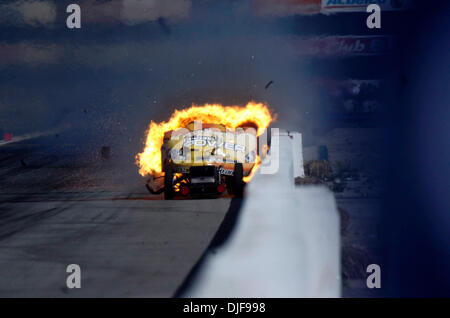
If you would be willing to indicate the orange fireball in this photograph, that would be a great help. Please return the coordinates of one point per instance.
(149, 161)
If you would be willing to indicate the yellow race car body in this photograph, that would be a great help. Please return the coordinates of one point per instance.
(207, 159)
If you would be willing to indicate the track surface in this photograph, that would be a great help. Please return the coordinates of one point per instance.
(60, 210)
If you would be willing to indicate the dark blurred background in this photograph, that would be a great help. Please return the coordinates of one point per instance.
(416, 219)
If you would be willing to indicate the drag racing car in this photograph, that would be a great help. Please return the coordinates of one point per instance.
(207, 161)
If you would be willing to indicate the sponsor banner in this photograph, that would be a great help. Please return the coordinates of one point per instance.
(282, 8)
(361, 5)
(342, 46)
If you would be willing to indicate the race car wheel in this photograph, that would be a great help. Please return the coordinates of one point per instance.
(229, 181)
(238, 187)
(168, 183)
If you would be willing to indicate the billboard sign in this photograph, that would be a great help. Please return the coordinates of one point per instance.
(342, 46)
(361, 5)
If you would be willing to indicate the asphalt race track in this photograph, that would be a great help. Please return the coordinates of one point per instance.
(58, 210)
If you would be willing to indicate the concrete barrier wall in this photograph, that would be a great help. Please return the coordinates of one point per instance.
(286, 242)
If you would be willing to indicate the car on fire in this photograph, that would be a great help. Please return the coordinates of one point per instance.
(207, 161)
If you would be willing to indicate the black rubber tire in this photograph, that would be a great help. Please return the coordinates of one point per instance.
(168, 183)
(239, 183)
(229, 181)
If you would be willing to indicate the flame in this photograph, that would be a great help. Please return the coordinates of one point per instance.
(149, 161)
(252, 173)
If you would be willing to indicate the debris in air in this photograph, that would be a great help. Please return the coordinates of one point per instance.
(268, 84)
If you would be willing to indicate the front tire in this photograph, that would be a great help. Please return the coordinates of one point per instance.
(239, 183)
(168, 183)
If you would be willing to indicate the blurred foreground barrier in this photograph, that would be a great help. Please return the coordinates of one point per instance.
(286, 242)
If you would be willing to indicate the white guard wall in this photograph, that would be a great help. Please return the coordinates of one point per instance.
(286, 242)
